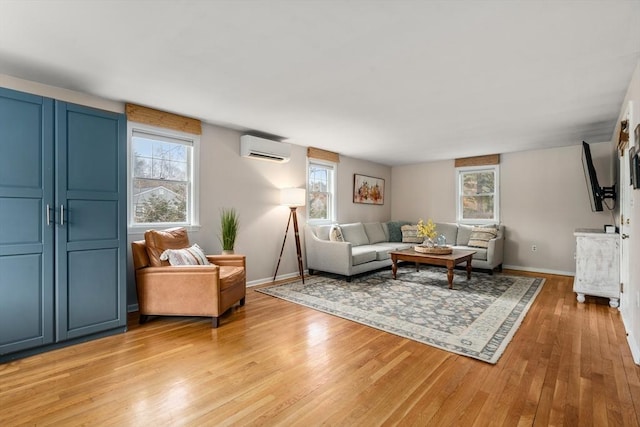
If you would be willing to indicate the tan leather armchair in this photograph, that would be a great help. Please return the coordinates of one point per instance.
(186, 290)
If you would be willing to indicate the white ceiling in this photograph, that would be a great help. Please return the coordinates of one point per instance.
(395, 82)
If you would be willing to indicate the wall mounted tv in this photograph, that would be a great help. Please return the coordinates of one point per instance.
(597, 194)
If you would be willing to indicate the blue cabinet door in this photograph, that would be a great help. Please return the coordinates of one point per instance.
(91, 215)
(26, 237)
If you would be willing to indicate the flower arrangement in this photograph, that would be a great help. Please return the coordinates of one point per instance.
(427, 230)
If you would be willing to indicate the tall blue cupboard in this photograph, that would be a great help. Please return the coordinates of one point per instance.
(62, 223)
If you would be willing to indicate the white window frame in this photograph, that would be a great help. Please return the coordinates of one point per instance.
(193, 210)
(331, 191)
(460, 172)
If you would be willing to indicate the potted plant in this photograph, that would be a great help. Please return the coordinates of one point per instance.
(228, 229)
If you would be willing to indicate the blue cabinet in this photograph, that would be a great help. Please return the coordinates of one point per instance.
(62, 222)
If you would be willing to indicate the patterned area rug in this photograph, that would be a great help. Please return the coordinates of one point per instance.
(477, 318)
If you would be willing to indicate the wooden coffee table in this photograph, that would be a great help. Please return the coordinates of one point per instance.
(449, 261)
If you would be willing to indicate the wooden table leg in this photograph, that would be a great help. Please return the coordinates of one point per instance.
(469, 268)
(450, 275)
(394, 266)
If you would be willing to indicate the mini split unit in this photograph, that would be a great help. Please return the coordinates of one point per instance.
(265, 149)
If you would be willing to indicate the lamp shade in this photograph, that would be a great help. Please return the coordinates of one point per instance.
(293, 197)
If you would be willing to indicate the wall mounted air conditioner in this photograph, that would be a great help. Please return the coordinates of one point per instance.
(265, 149)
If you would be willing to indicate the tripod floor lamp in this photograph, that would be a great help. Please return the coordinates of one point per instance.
(292, 197)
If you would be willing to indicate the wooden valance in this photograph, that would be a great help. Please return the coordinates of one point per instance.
(491, 159)
(317, 153)
(150, 116)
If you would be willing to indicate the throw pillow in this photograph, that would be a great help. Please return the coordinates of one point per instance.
(480, 236)
(395, 233)
(410, 234)
(335, 234)
(188, 256)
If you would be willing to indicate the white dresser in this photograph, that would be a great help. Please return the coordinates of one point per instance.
(597, 265)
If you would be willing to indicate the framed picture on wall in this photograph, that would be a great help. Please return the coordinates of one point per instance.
(367, 189)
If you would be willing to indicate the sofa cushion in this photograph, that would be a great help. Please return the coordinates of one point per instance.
(335, 234)
(230, 276)
(187, 256)
(158, 241)
(395, 246)
(374, 231)
(382, 253)
(385, 229)
(481, 253)
(480, 236)
(395, 232)
(410, 234)
(322, 231)
(448, 230)
(355, 234)
(464, 232)
(362, 254)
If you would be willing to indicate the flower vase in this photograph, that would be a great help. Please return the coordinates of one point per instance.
(428, 242)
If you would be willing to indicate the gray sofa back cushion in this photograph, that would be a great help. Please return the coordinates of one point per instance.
(464, 232)
(355, 234)
(375, 233)
(385, 228)
(449, 231)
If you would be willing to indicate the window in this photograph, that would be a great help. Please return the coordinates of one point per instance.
(163, 184)
(478, 194)
(321, 190)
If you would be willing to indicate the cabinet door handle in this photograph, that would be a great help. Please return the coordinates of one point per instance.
(61, 214)
(625, 236)
(48, 214)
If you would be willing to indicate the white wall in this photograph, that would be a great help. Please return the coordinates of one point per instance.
(358, 212)
(630, 299)
(543, 200)
(252, 187)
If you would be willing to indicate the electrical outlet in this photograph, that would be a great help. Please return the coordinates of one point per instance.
(534, 248)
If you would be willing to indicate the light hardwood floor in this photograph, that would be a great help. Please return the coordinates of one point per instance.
(272, 362)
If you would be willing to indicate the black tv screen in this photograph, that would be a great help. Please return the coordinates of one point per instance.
(595, 194)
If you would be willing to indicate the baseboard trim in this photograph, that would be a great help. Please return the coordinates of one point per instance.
(259, 282)
(263, 281)
(539, 270)
(635, 351)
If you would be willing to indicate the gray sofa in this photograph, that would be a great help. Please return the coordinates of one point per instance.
(366, 247)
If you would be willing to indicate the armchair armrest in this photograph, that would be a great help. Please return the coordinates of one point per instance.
(325, 255)
(186, 290)
(229, 260)
(495, 251)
